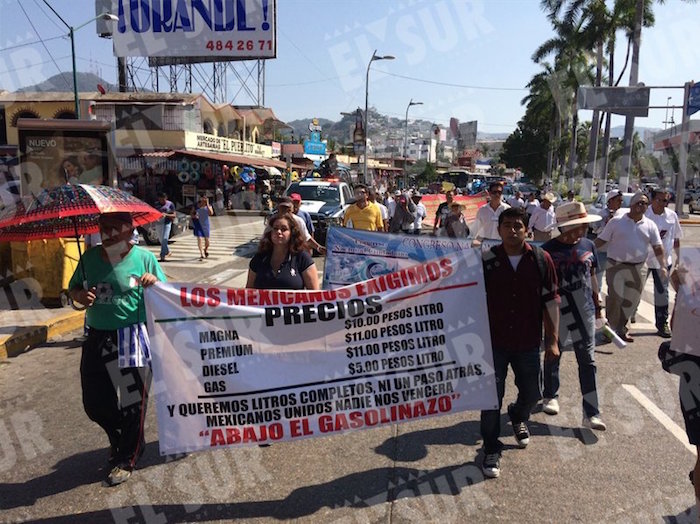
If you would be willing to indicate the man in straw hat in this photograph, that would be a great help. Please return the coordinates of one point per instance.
(541, 224)
(575, 260)
(628, 238)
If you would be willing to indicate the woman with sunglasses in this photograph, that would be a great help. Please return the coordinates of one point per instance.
(282, 262)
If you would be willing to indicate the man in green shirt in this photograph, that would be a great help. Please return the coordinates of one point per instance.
(116, 353)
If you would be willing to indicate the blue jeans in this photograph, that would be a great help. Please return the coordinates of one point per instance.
(526, 368)
(165, 235)
(660, 297)
(580, 335)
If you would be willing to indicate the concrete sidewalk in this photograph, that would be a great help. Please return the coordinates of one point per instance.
(23, 329)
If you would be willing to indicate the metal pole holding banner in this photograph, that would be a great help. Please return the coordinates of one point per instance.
(683, 154)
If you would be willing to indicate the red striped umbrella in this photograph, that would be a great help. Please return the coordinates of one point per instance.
(69, 210)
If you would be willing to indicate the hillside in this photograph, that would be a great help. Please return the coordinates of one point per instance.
(63, 82)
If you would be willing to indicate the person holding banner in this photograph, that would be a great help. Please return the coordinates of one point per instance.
(115, 365)
(687, 365)
(521, 295)
(282, 261)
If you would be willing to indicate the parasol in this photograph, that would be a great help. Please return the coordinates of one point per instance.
(70, 210)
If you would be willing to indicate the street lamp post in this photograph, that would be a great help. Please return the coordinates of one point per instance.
(374, 57)
(71, 34)
(405, 137)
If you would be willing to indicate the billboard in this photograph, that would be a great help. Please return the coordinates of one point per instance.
(631, 101)
(467, 133)
(55, 152)
(190, 31)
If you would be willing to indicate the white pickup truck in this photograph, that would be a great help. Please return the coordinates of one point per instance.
(326, 202)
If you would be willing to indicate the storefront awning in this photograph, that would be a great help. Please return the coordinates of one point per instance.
(235, 159)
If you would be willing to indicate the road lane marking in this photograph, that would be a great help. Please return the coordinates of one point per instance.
(659, 415)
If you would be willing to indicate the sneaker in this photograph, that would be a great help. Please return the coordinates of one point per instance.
(118, 475)
(626, 337)
(522, 434)
(550, 406)
(492, 465)
(594, 422)
(664, 332)
(633, 320)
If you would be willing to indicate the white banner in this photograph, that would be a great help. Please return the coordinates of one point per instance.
(686, 319)
(234, 30)
(239, 367)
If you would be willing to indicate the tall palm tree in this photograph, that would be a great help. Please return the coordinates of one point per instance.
(571, 58)
(643, 9)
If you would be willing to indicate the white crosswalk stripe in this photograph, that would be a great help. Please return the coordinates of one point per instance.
(240, 240)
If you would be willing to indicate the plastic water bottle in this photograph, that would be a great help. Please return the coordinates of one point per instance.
(602, 325)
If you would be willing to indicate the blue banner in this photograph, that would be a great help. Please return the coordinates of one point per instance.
(354, 255)
(693, 100)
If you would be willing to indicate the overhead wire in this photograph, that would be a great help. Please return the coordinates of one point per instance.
(42, 43)
(47, 16)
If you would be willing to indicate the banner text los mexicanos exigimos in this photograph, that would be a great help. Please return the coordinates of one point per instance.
(242, 366)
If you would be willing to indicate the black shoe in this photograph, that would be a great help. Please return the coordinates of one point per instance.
(522, 434)
(664, 331)
(491, 466)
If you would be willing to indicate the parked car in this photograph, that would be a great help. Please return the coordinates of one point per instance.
(596, 208)
(149, 232)
(694, 204)
(326, 202)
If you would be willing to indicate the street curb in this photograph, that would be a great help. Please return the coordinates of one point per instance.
(246, 212)
(28, 337)
(690, 221)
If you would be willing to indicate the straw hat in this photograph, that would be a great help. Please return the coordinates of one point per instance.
(551, 197)
(573, 213)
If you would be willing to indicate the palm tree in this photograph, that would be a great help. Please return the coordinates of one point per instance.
(643, 13)
(572, 59)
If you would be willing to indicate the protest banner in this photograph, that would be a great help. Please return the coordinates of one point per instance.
(353, 255)
(686, 318)
(471, 205)
(236, 367)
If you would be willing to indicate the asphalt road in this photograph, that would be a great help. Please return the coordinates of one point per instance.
(53, 459)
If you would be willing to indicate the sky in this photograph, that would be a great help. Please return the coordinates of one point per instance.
(460, 58)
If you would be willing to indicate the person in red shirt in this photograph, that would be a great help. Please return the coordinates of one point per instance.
(522, 295)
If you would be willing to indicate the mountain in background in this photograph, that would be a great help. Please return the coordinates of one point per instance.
(383, 128)
(63, 82)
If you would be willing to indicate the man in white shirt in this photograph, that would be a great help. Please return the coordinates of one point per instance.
(421, 213)
(391, 203)
(531, 204)
(541, 223)
(670, 231)
(517, 200)
(629, 238)
(485, 227)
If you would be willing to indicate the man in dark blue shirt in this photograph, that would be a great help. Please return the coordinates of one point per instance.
(576, 261)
